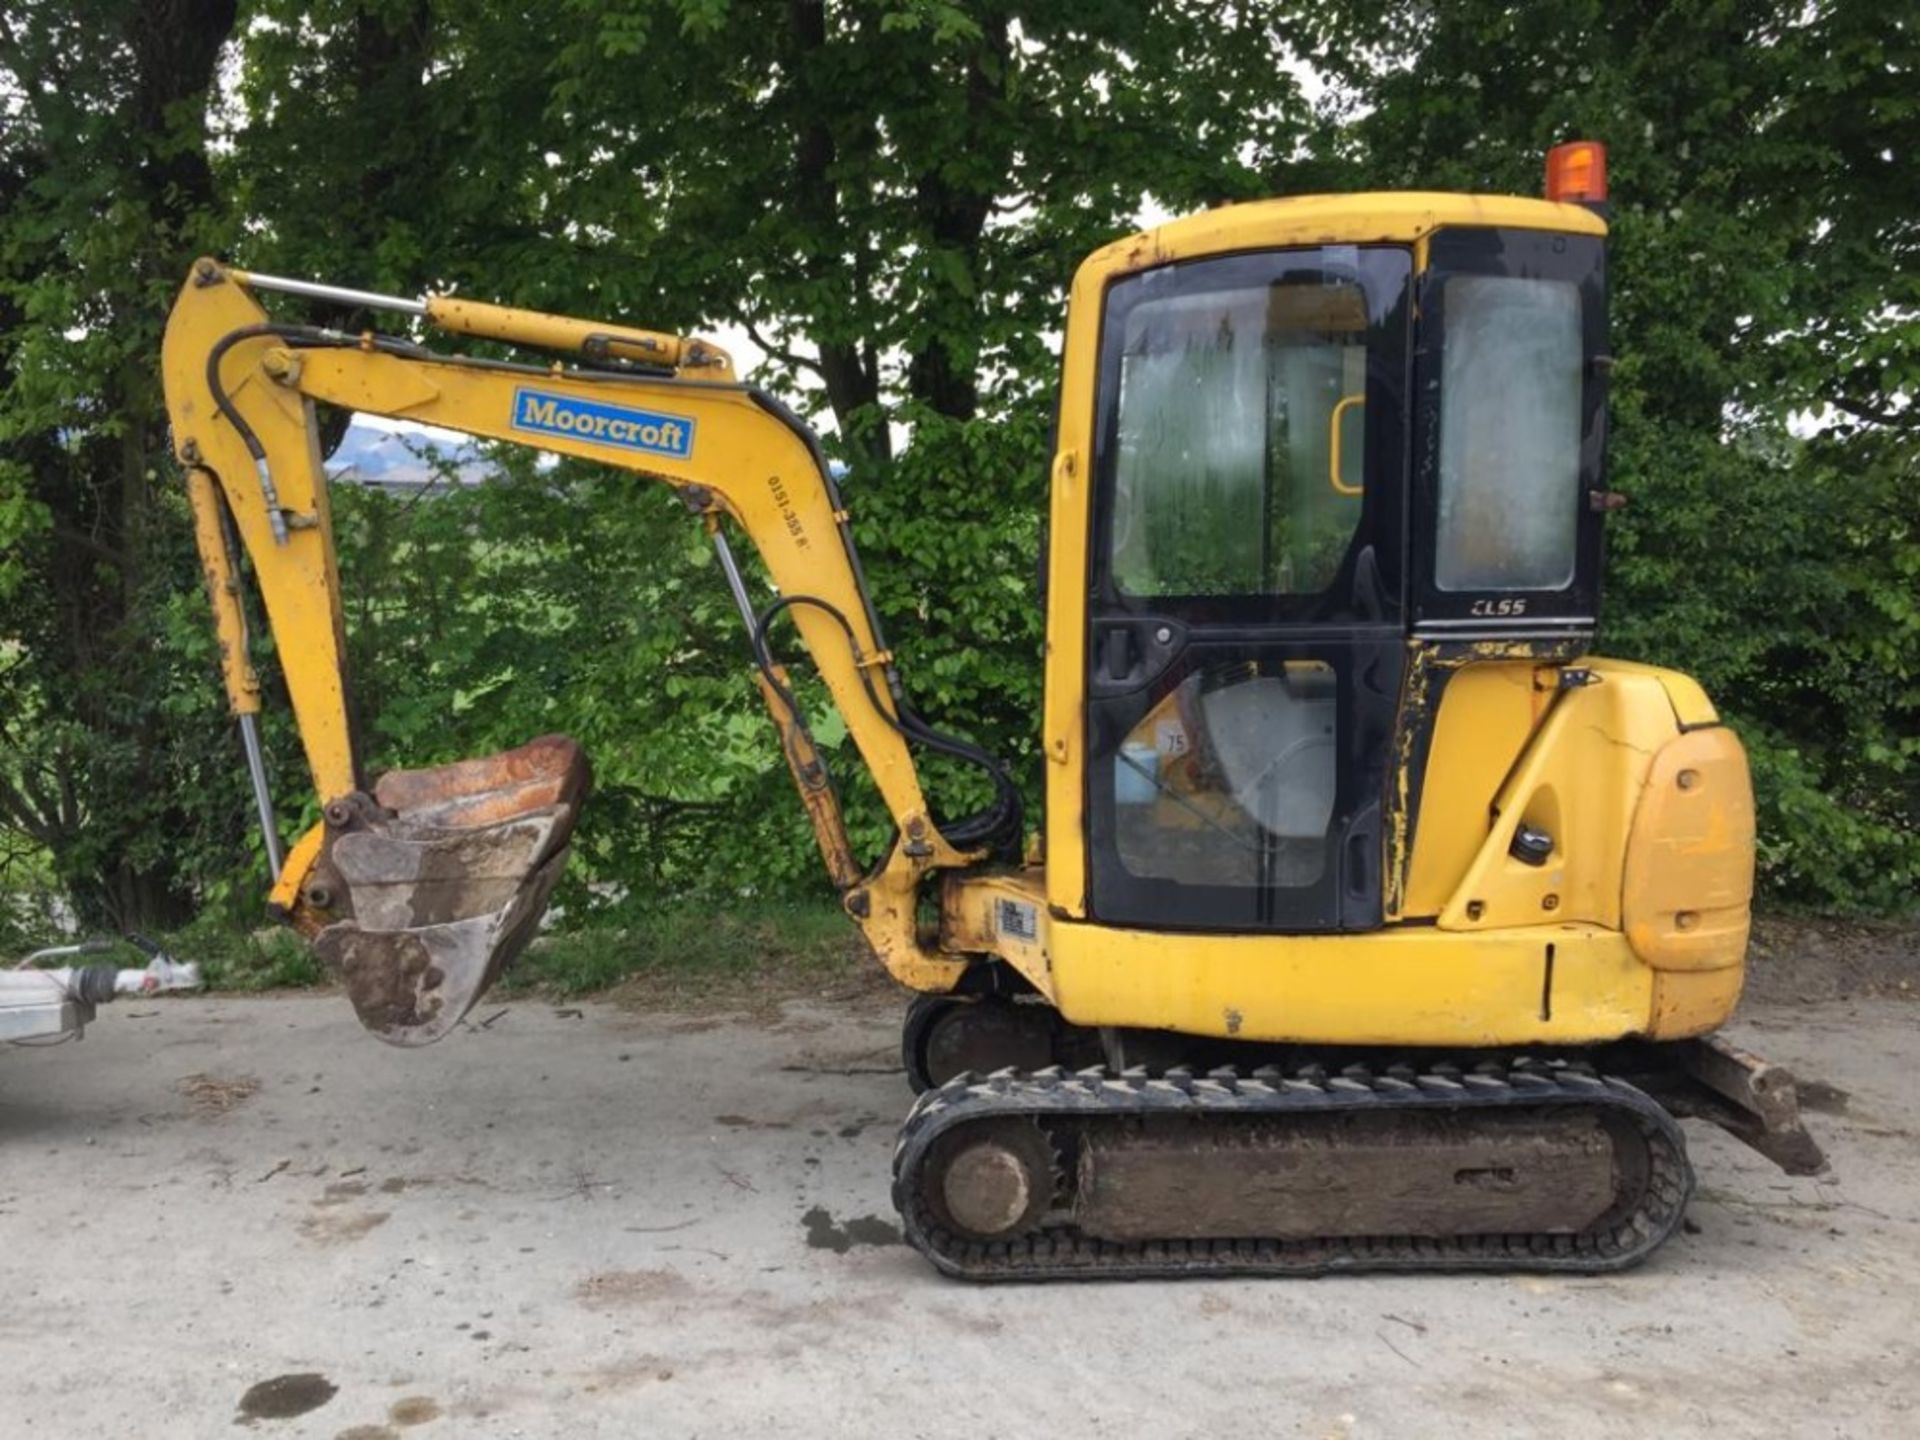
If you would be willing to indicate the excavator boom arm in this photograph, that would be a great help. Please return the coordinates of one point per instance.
(411, 855)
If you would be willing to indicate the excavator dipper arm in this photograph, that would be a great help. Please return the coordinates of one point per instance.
(420, 887)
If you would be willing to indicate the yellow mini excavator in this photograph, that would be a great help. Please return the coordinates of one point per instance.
(1380, 924)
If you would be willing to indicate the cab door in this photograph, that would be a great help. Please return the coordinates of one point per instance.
(1246, 590)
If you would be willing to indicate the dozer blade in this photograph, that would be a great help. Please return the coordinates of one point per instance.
(440, 877)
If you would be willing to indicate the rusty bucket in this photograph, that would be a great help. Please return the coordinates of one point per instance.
(437, 879)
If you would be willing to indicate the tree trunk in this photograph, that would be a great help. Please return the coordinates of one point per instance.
(944, 372)
(99, 562)
(850, 370)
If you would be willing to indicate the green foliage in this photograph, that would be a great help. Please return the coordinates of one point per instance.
(891, 195)
(950, 537)
(692, 945)
(566, 599)
(21, 518)
(236, 958)
(107, 731)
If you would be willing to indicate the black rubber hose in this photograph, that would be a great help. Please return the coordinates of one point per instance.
(214, 357)
(308, 336)
(93, 983)
(999, 821)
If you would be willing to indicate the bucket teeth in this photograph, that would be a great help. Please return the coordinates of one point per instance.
(443, 875)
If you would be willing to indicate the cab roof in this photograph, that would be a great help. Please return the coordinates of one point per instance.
(1368, 217)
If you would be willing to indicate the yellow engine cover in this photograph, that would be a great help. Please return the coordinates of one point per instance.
(1636, 925)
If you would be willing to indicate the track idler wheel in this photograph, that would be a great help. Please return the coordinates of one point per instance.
(995, 1181)
(434, 882)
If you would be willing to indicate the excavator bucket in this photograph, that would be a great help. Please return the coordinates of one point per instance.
(440, 877)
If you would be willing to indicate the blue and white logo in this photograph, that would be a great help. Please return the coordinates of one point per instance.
(649, 430)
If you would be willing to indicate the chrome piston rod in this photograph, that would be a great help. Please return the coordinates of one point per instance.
(339, 294)
(250, 722)
(262, 797)
(731, 567)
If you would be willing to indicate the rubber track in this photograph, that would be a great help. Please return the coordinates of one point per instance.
(1059, 1251)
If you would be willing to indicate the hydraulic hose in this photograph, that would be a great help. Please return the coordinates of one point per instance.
(999, 821)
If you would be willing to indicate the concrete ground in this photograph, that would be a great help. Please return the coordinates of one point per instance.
(582, 1222)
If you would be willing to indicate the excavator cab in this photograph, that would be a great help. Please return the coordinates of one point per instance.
(1374, 921)
(1303, 461)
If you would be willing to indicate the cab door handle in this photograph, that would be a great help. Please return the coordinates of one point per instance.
(1358, 844)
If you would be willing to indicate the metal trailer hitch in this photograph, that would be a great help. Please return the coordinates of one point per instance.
(46, 1004)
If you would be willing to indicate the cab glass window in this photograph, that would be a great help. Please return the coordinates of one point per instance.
(1510, 432)
(1238, 450)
